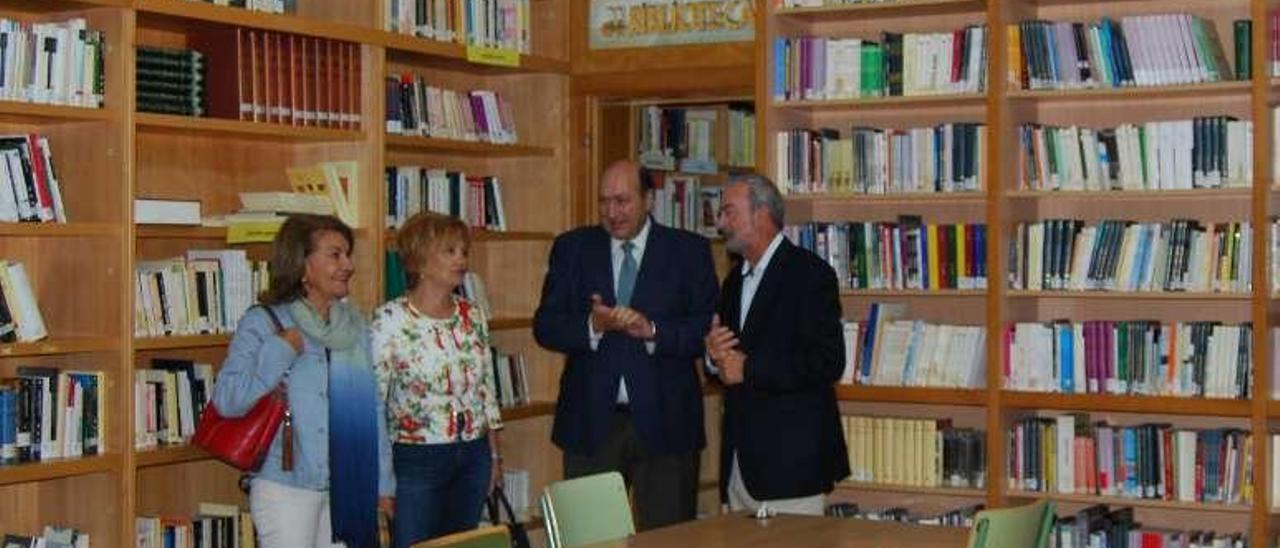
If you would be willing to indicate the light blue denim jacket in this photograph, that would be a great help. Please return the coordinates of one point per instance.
(256, 361)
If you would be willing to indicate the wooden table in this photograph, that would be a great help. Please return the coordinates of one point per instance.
(789, 531)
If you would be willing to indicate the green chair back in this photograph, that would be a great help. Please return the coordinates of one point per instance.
(1026, 526)
(495, 536)
(586, 510)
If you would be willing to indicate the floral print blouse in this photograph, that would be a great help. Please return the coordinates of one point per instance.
(436, 375)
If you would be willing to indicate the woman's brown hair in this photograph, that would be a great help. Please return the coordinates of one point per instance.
(297, 239)
(419, 237)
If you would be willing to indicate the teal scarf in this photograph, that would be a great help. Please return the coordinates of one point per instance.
(353, 426)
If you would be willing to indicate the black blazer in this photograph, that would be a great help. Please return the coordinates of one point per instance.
(676, 289)
(782, 420)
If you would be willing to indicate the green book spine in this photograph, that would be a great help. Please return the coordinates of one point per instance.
(1244, 45)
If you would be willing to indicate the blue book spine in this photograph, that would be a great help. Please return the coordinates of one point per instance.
(1130, 442)
(780, 69)
(8, 426)
(1066, 341)
(868, 339)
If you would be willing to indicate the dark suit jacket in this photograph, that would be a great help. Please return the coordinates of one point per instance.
(782, 419)
(676, 289)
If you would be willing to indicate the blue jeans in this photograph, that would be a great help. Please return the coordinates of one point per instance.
(440, 488)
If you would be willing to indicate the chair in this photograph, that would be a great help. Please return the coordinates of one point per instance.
(495, 536)
(585, 510)
(1026, 526)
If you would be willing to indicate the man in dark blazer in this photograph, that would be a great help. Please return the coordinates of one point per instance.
(776, 344)
(628, 303)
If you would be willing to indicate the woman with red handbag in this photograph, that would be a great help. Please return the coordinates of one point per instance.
(434, 367)
(328, 469)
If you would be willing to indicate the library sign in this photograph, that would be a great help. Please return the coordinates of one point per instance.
(645, 23)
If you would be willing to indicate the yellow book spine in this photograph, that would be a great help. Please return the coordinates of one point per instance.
(933, 257)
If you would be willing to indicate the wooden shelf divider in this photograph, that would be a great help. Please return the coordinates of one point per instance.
(59, 468)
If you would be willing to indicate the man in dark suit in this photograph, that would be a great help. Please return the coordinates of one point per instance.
(628, 303)
(776, 344)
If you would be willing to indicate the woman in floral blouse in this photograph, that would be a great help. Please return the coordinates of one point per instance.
(431, 356)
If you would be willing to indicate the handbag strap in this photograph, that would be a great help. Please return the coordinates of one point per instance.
(275, 320)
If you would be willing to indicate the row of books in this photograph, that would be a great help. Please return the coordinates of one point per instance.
(1137, 50)
(477, 200)
(683, 201)
(957, 517)
(1071, 454)
(170, 81)
(503, 24)
(915, 452)
(51, 536)
(47, 413)
(272, 77)
(888, 351)
(1099, 525)
(943, 158)
(1118, 255)
(742, 135)
(1186, 359)
(55, 62)
(29, 187)
(1204, 152)
(907, 254)
(511, 375)
(215, 525)
(168, 399)
(20, 318)
(415, 107)
(205, 291)
(817, 68)
(678, 139)
(1273, 42)
(269, 6)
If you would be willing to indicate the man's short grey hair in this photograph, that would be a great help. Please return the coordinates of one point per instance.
(763, 193)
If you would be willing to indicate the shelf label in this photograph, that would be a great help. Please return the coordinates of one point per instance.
(493, 56)
(253, 232)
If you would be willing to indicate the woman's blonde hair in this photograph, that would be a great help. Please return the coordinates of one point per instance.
(421, 235)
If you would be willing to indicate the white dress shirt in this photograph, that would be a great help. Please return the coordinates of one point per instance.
(618, 255)
(751, 276)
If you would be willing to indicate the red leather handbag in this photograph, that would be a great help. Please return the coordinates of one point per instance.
(243, 442)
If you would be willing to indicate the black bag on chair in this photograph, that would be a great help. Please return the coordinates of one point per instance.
(497, 503)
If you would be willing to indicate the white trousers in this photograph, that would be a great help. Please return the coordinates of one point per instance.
(289, 517)
(740, 499)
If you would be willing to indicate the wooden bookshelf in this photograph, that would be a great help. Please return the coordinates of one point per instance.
(13, 111)
(1162, 405)
(166, 455)
(58, 346)
(60, 468)
(922, 395)
(874, 103)
(912, 293)
(1002, 110)
(828, 13)
(528, 411)
(180, 341)
(1194, 195)
(470, 148)
(59, 230)
(910, 489)
(170, 124)
(1137, 93)
(1133, 295)
(1137, 503)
